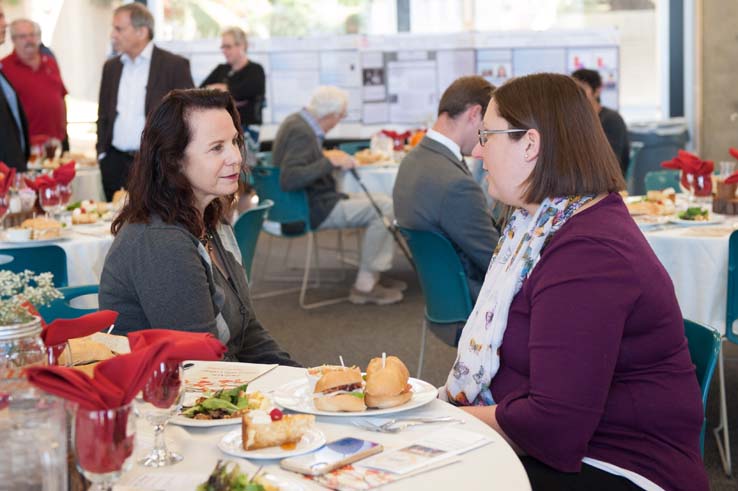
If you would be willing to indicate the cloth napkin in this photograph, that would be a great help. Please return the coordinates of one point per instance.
(397, 138)
(41, 182)
(65, 173)
(115, 382)
(62, 330)
(7, 176)
(185, 345)
(733, 152)
(691, 164)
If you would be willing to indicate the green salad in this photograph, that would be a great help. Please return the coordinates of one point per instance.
(224, 403)
(227, 476)
(695, 213)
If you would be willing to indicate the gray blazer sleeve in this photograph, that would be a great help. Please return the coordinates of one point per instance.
(299, 165)
(167, 269)
(465, 218)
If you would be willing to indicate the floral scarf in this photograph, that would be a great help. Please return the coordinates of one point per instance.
(518, 251)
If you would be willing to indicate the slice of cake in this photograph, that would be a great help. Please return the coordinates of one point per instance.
(261, 429)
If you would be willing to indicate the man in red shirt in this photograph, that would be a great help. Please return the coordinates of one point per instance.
(37, 80)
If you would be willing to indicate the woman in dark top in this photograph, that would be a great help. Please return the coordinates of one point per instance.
(575, 350)
(175, 262)
(243, 78)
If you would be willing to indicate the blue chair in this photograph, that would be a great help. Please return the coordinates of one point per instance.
(661, 179)
(704, 349)
(443, 281)
(290, 207)
(41, 259)
(353, 147)
(635, 149)
(61, 308)
(247, 229)
(264, 159)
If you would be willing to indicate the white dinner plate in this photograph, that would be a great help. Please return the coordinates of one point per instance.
(647, 222)
(714, 219)
(232, 445)
(298, 396)
(180, 420)
(29, 241)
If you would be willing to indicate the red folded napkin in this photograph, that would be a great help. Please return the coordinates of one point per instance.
(65, 173)
(733, 152)
(397, 138)
(115, 382)
(7, 176)
(41, 182)
(185, 345)
(731, 179)
(62, 330)
(691, 164)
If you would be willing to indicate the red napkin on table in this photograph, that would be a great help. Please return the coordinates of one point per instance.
(7, 176)
(41, 182)
(733, 152)
(65, 173)
(690, 163)
(397, 138)
(185, 345)
(62, 330)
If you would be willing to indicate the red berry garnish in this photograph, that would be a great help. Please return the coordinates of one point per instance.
(276, 414)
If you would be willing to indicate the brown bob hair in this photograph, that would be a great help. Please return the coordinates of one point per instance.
(575, 157)
(157, 184)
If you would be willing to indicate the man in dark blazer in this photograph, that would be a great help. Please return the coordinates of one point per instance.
(14, 143)
(133, 83)
(435, 190)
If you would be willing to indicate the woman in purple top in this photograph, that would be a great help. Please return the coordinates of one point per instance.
(575, 351)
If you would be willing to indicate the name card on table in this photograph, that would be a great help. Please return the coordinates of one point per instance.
(209, 376)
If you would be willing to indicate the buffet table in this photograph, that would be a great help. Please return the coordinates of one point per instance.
(494, 466)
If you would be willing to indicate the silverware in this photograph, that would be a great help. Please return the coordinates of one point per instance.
(397, 425)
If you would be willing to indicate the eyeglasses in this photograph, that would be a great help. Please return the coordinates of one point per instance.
(483, 133)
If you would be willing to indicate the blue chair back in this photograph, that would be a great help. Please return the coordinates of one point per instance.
(289, 206)
(704, 348)
(661, 179)
(442, 277)
(247, 229)
(353, 147)
(731, 310)
(264, 158)
(61, 308)
(42, 259)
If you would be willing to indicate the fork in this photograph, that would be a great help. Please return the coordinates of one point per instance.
(396, 426)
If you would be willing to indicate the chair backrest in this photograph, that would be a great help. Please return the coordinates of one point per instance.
(353, 147)
(731, 309)
(61, 308)
(264, 158)
(247, 229)
(42, 259)
(661, 179)
(704, 347)
(442, 277)
(289, 206)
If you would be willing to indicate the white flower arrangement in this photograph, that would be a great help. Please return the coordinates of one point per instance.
(17, 290)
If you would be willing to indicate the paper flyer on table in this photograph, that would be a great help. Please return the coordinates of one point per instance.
(357, 478)
(209, 376)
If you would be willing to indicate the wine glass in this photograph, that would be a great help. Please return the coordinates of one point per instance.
(102, 440)
(159, 400)
(4, 207)
(59, 354)
(48, 198)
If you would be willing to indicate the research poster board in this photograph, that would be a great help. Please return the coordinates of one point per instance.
(399, 79)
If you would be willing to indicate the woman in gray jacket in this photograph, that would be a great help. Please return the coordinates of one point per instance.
(175, 263)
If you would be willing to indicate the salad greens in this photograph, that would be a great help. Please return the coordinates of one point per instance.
(227, 476)
(696, 213)
(221, 404)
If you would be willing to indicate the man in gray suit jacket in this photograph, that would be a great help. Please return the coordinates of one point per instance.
(435, 190)
(298, 151)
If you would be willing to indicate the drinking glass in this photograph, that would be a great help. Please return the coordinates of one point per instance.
(159, 400)
(4, 207)
(48, 198)
(102, 440)
(59, 354)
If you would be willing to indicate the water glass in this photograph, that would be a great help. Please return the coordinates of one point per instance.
(102, 440)
(33, 429)
(727, 168)
(159, 400)
(48, 198)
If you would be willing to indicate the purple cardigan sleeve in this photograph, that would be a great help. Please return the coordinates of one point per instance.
(580, 295)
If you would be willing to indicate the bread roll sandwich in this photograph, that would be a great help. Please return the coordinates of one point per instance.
(340, 389)
(386, 386)
(262, 430)
(42, 228)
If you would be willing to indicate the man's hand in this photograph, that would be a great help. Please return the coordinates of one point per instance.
(340, 159)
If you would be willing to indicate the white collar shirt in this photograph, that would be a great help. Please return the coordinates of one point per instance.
(445, 141)
(131, 105)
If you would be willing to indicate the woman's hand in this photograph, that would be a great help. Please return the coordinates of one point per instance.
(487, 415)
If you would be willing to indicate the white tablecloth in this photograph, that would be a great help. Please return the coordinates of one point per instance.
(376, 178)
(87, 184)
(494, 466)
(86, 247)
(696, 259)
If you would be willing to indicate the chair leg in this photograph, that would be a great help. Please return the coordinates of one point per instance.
(724, 445)
(303, 291)
(422, 346)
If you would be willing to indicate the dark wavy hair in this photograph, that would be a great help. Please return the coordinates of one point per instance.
(157, 184)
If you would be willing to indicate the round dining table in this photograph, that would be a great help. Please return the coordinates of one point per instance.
(492, 466)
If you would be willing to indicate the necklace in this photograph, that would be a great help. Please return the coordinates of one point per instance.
(207, 241)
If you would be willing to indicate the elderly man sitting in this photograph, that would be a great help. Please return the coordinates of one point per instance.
(298, 150)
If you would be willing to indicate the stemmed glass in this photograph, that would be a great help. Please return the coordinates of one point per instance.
(48, 198)
(59, 354)
(102, 440)
(4, 207)
(159, 400)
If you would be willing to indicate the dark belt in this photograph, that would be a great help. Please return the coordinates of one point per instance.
(131, 154)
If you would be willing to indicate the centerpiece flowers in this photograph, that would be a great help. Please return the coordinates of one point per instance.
(20, 325)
